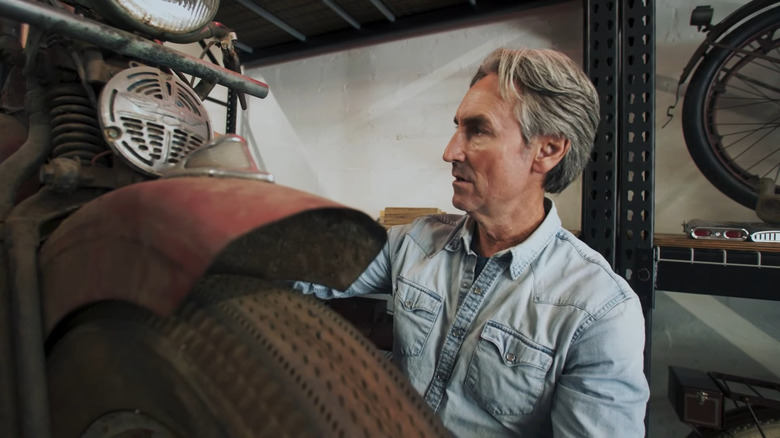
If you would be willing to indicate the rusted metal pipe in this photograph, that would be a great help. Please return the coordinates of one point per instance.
(8, 402)
(21, 241)
(25, 162)
(60, 21)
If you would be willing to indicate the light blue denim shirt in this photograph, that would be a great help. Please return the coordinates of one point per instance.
(546, 341)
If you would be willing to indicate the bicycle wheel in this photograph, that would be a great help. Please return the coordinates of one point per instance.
(242, 358)
(731, 110)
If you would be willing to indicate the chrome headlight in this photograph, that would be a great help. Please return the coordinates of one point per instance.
(159, 17)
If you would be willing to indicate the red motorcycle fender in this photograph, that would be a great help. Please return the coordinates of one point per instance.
(149, 243)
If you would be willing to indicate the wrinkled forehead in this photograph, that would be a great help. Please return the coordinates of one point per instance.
(484, 99)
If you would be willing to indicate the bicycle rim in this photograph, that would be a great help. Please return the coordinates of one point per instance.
(733, 110)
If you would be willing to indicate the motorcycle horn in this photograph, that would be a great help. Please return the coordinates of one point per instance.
(152, 119)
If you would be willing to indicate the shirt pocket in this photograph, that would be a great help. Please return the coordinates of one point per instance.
(415, 311)
(507, 371)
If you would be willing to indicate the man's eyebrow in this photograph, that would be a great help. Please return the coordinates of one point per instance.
(479, 120)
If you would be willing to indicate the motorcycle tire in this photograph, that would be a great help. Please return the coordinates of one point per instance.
(700, 122)
(241, 358)
(739, 423)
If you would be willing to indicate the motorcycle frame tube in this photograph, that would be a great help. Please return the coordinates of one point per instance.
(24, 162)
(149, 243)
(60, 21)
(8, 401)
(21, 239)
(21, 297)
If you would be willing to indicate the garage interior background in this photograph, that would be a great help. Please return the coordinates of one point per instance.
(367, 127)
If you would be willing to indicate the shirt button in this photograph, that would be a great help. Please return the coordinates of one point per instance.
(465, 284)
(477, 291)
(510, 357)
(441, 377)
(457, 332)
(408, 304)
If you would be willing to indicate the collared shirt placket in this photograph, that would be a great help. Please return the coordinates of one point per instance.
(460, 328)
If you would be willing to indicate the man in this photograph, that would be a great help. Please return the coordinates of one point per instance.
(506, 323)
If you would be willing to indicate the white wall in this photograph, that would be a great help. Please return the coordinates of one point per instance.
(367, 127)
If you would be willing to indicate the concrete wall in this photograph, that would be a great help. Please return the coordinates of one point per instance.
(367, 127)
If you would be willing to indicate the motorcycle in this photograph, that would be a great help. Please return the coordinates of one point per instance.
(144, 261)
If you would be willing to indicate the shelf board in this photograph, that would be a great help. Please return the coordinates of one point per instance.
(715, 267)
(683, 241)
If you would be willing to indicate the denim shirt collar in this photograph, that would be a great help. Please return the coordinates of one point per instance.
(522, 254)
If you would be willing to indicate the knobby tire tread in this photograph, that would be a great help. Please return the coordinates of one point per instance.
(268, 362)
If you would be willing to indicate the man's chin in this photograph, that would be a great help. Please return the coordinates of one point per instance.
(459, 204)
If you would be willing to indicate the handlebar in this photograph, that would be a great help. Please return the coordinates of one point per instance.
(77, 27)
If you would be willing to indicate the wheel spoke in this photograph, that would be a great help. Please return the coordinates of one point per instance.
(757, 82)
(745, 105)
(774, 126)
(762, 160)
(777, 172)
(748, 135)
(754, 92)
(752, 146)
(753, 85)
(753, 52)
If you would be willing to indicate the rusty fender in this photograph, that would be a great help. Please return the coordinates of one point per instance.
(149, 243)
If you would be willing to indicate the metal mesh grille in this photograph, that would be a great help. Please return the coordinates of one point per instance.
(152, 119)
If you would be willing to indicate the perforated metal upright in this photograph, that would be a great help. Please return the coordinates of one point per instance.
(617, 196)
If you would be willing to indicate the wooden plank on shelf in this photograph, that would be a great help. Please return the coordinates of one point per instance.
(403, 215)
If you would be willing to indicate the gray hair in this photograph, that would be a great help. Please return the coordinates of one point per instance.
(551, 95)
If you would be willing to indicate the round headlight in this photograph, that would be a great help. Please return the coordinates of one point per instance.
(159, 17)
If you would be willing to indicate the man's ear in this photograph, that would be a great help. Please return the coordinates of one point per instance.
(550, 152)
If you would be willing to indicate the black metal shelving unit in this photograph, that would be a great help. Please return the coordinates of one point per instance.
(740, 269)
(617, 195)
(618, 185)
(617, 198)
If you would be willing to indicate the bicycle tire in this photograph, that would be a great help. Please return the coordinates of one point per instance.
(704, 133)
(242, 358)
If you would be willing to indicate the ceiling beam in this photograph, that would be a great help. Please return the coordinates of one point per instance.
(271, 18)
(452, 17)
(383, 9)
(342, 13)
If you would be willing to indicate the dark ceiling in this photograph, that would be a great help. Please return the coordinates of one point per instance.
(271, 31)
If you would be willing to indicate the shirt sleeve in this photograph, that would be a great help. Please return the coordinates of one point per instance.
(376, 279)
(603, 390)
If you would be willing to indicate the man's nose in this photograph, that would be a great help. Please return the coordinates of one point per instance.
(454, 150)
